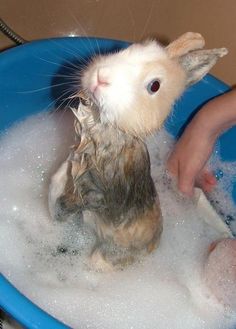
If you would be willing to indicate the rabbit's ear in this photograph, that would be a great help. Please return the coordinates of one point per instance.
(198, 63)
(185, 43)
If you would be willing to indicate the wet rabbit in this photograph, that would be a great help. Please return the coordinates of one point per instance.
(125, 97)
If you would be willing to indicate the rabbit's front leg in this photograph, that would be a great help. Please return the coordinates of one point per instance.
(62, 200)
(75, 188)
(98, 261)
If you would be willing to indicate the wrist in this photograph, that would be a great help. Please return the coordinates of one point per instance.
(217, 116)
(208, 128)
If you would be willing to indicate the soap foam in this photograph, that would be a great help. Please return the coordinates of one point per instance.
(47, 260)
(222, 200)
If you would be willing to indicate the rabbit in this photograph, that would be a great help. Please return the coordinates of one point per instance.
(124, 97)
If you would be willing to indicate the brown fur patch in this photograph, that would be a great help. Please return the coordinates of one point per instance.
(143, 232)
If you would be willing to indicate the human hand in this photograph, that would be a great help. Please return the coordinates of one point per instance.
(188, 160)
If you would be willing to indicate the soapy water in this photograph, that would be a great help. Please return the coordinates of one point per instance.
(225, 172)
(46, 260)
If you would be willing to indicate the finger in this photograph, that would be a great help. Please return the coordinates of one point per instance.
(172, 166)
(210, 178)
(186, 181)
(206, 181)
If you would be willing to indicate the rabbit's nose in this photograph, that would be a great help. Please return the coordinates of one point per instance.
(103, 76)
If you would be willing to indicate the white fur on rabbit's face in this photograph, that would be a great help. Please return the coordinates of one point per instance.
(120, 84)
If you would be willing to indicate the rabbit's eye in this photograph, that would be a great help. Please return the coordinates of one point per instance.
(153, 86)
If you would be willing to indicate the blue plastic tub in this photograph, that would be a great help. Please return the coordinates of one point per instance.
(31, 79)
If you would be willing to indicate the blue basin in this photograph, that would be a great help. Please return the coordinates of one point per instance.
(32, 79)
